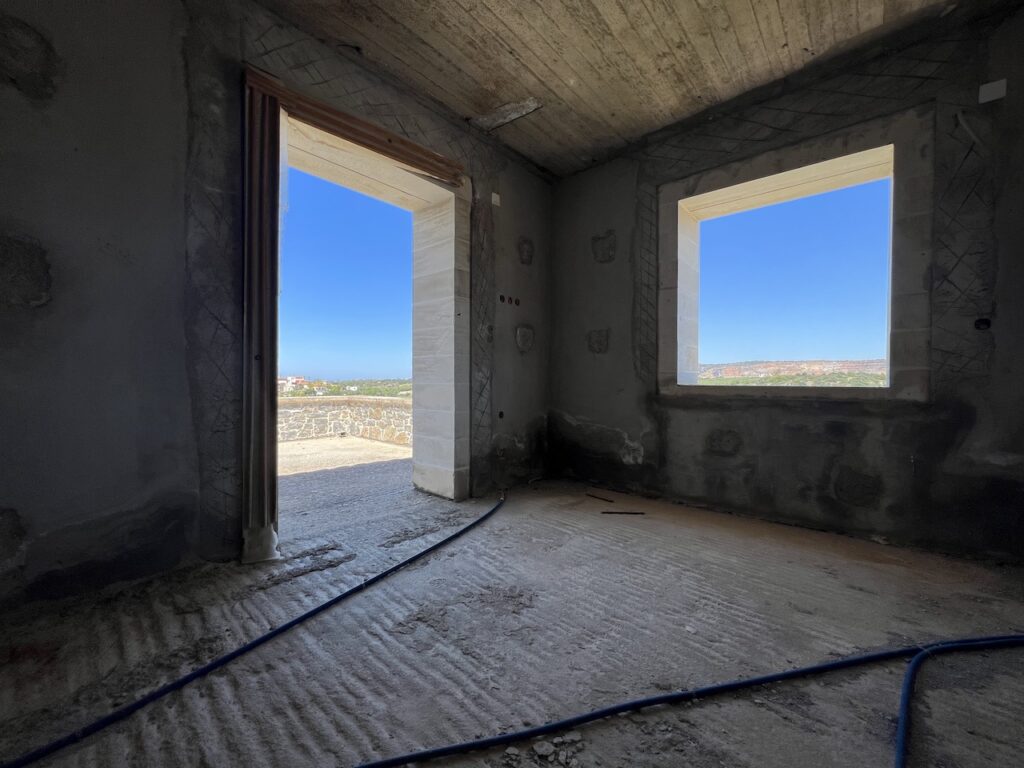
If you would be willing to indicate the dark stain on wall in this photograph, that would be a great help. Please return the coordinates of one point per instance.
(859, 489)
(723, 442)
(155, 539)
(598, 340)
(524, 337)
(12, 534)
(863, 468)
(24, 272)
(12, 553)
(526, 250)
(28, 60)
(593, 453)
(517, 458)
(603, 247)
(972, 514)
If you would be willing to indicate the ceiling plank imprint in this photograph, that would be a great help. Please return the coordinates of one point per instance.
(682, 83)
(688, 38)
(496, 60)
(870, 14)
(770, 23)
(497, 65)
(544, 81)
(798, 32)
(606, 72)
(752, 42)
(845, 20)
(456, 83)
(590, 57)
(575, 73)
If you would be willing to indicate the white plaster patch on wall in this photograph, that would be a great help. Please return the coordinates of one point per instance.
(632, 452)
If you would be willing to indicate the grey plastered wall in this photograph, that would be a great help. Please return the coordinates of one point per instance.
(599, 424)
(98, 470)
(946, 473)
(521, 327)
(120, 354)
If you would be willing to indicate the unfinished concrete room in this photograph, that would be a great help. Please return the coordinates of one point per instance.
(709, 450)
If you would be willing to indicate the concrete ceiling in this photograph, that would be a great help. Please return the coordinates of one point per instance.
(605, 72)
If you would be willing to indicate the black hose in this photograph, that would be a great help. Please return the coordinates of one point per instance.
(129, 709)
(918, 653)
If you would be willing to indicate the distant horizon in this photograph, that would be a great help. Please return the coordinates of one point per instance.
(309, 377)
(804, 360)
(306, 377)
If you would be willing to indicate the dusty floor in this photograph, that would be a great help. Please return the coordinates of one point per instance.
(549, 608)
(294, 456)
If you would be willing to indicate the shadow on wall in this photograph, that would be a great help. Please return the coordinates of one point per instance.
(28, 60)
(151, 539)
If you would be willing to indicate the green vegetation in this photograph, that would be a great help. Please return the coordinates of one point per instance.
(370, 387)
(833, 379)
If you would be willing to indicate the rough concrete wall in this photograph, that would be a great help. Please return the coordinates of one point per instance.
(1005, 159)
(98, 475)
(388, 419)
(521, 327)
(945, 474)
(121, 271)
(598, 420)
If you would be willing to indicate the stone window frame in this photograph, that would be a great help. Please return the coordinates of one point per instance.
(852, 155)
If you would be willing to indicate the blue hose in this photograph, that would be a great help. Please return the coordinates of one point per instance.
(967, 644)
(131, 708)
(917, 653)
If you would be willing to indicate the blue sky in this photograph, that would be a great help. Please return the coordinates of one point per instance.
(803, 280)
(346, 284)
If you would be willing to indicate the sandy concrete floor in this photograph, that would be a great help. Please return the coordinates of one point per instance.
(294, 456)
(550, 608)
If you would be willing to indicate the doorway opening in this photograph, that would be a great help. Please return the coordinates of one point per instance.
(408, 428)
(344, 387)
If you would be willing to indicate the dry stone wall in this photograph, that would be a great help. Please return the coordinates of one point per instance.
(388, 419)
